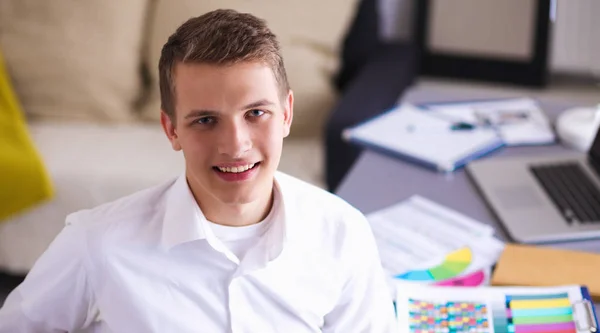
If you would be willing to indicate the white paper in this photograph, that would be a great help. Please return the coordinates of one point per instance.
(418, 233)
(534, 129)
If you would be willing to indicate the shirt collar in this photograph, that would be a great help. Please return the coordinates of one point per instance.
(276, 236)
(184, 221)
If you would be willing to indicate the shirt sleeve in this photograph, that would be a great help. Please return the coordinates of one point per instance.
(55, 295)
(366, 304)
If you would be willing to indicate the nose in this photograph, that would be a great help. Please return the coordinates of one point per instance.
(234, 139)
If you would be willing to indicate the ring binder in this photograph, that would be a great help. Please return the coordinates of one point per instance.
(525, 309)
(585, 307)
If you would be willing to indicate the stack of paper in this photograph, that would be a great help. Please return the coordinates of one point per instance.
(422, 242)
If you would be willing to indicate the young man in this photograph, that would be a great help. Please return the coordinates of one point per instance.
(229, 246)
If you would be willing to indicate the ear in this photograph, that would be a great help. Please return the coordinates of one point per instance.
(288, 113)
(170, 130)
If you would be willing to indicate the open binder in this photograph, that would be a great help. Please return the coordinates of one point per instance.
(413, 135)
(561, 309)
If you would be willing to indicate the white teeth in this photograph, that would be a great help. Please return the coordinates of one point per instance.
(237, 169)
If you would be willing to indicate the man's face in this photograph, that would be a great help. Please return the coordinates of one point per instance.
(230, 124)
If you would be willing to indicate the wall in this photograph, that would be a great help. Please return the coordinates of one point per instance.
(575, 35)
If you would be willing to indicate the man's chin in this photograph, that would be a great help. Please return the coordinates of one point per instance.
(235, 200)
(241, 194)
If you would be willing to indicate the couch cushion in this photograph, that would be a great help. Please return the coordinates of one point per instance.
(104, 163)
(89, 164)
(309, 31)
(74, 59)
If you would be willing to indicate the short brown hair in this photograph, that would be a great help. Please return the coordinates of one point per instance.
(220, 37)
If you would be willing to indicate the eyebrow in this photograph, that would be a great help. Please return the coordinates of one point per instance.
(206, 113)
(200, 113)
(259, 103)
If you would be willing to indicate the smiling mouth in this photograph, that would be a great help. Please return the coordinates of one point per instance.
(237, 169)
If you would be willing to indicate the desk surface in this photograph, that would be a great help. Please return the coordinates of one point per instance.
(376, 181)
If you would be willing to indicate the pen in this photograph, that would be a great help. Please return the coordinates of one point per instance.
(462, 126)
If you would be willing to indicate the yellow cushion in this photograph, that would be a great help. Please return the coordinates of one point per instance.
(23, 178)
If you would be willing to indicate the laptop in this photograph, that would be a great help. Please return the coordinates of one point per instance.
(541, 199)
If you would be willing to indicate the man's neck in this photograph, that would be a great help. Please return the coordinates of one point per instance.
(235, 215)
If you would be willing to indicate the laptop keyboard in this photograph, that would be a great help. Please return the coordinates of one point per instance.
(572, 191)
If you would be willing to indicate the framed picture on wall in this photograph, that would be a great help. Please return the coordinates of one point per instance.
(501, 41)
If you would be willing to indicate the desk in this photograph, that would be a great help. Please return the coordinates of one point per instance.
(376, 181)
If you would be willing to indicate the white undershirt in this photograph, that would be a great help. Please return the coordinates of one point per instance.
(240, 239)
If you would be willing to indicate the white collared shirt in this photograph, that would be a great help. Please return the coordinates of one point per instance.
(150, 262)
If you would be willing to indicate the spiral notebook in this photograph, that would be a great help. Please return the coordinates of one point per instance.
(560, 309)
(412, 135)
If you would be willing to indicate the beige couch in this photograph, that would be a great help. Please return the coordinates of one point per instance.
(78, 69)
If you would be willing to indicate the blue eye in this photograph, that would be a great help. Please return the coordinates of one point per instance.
(256, 113)
(205, 120)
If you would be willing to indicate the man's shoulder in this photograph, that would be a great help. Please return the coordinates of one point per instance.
(139, 205)
(305, 191)
(323, 219)
(309, 197)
